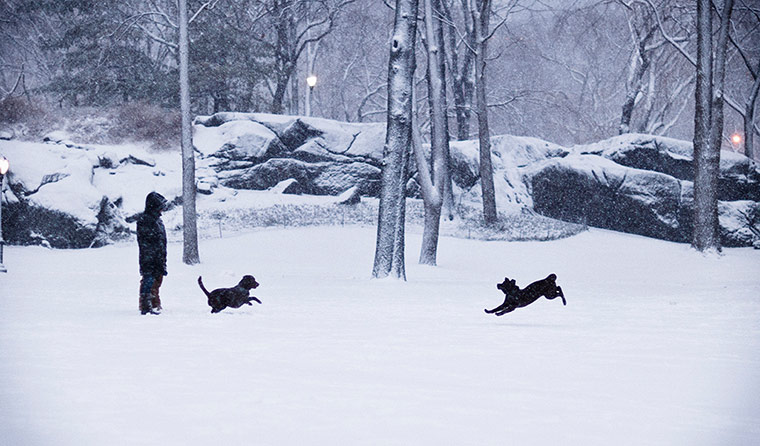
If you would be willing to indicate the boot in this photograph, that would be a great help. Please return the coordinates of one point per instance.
(155, 303)
(146, 305)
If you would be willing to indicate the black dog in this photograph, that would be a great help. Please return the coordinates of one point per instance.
(234, 297)
(514, 297)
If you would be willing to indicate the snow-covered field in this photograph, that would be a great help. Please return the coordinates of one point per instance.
(658, 345)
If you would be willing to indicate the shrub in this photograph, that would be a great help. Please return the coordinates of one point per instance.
(17, 109)
(146, 122)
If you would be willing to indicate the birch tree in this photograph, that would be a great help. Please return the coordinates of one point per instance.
(389, 249)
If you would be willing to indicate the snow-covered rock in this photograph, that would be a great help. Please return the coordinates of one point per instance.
(593, 190)
(739, 176)
(289, 186)
(258, 151)
(739, 223)
(75, 197)
(69, 195)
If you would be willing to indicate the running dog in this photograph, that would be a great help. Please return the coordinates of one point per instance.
(514, 297)
(234, 297)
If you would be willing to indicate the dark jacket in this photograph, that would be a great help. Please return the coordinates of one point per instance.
(151, 237)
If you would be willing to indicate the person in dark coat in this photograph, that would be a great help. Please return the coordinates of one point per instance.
(151, 241)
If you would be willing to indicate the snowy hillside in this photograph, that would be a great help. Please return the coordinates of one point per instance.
(656, 346)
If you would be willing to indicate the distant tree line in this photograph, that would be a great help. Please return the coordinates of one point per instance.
(243, 54)
(568, 72)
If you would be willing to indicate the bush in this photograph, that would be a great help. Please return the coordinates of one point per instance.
(145, 122)
(17, 109)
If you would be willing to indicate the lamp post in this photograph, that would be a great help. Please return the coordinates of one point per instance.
(4, 166)
(311, 81)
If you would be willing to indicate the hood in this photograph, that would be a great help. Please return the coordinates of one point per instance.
(155, 203)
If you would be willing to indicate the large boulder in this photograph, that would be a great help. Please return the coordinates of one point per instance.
(509, 155)
(51, 199)
(258, 151)
(594, 190)
(739, 176)
(739, 223)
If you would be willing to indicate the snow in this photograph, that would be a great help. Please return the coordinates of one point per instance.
(244, 134)
(658, 345)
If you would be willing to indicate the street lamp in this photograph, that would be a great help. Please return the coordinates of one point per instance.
(736, 139)
(311, 81)
(4, 166)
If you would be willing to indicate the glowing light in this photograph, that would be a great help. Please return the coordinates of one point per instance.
(4, 165)
(311, 81)
(736, 138)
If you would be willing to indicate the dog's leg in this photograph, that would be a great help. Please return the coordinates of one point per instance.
(253, 298)
(562, 295)
(497, 309)
(505, 311)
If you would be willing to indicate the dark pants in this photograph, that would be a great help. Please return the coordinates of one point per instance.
(149, 286)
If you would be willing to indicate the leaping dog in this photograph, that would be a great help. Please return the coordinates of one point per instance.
(234, 297)
(514, 297)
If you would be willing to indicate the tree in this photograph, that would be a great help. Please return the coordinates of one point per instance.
(708, 126)
(481, 16)
(744, 25)
(643, 32)
(82, 54)
(461, 42)
(287, 27)
(389, 249)
(189, 226)
(434, 187)
(749, 118)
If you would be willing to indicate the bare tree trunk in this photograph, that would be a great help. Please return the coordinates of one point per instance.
(481, 16)
(706, 158)
(461, 75)
(749, 119)
(189, 226)
(389, 250)
(716, 136)
(638, 66)
(434, 189)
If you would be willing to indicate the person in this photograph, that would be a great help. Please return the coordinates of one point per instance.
(151, 241)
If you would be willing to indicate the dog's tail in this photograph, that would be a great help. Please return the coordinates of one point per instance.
(203, 288)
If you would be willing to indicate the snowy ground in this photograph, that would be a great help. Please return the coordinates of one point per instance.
(658, 345)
